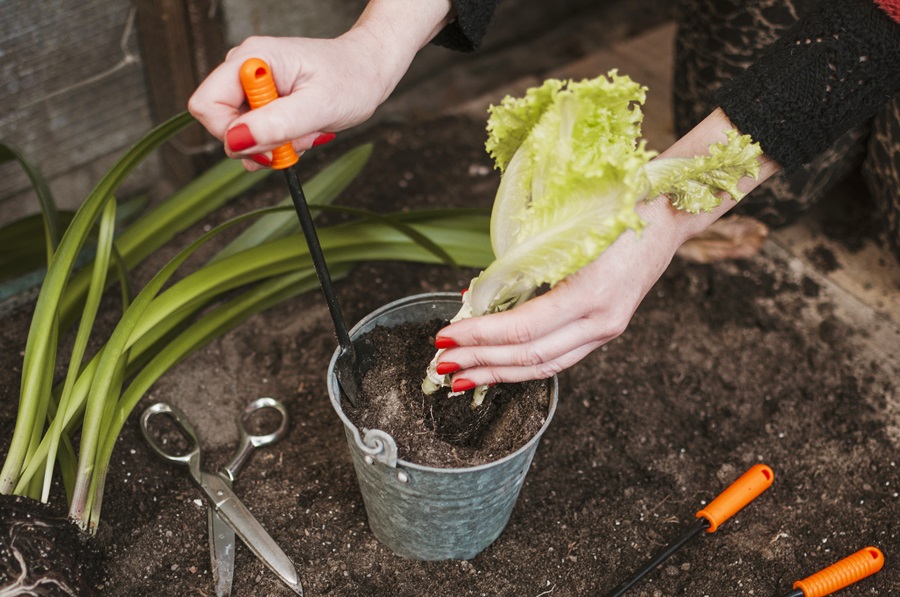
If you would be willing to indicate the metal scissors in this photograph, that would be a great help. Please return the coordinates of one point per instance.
(227, 515)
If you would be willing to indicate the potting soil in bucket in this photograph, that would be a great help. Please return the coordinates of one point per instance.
(427, 512)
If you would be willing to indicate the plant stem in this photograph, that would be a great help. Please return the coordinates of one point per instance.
(103, 386)
(91, 306)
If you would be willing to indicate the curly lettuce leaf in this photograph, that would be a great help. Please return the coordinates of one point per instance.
(573, 170)
(694, 184)
(569, 188)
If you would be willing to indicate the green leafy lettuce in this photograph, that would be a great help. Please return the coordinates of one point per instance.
(573, 170)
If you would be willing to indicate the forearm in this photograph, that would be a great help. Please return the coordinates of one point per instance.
(395, 30)
(674, 227)
(827, 74)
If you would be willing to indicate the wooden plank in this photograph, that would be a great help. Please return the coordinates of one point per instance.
(181, 41)
(646, 58)
(71, 93)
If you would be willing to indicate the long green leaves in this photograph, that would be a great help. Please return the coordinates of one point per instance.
(92, 305)
(165, 322)
(49, 212)
(321, 189)
(40, 354)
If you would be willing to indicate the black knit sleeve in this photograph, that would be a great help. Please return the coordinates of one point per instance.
(827, 74)
(465, 32)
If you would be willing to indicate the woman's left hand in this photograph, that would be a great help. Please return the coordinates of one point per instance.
(589, 308)
(554, 331)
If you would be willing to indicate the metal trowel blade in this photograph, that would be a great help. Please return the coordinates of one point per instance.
(352, 364)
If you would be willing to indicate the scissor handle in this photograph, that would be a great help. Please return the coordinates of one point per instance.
(161, 408)
(256, 406)
(249, 440)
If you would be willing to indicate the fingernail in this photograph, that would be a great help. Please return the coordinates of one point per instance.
(463, 385)
(445, 368)
(261, 159)
(323, 139)
(444, 342)
(239, 138)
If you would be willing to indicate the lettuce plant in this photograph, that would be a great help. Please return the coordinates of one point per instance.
(573, 169)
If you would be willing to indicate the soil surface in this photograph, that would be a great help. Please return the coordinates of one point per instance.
(441, 430)
(722, 367)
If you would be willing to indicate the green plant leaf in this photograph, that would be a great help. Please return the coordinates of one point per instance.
(106, 381)
(321, 189)
(52, 227)
(213, 325)
(184, 208)
(85, 325)
(39, 352)
(693, 184)
(463, 233)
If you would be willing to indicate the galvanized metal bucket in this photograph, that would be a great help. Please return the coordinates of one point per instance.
(422, 512)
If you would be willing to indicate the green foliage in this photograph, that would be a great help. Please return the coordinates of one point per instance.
(165, 321)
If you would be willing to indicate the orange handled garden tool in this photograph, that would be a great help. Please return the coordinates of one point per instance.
(739, 494)
(259, 87)
(841, 574)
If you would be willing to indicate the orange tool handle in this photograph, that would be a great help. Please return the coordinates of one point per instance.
(739, 494)
(842, 574)
(259, 87)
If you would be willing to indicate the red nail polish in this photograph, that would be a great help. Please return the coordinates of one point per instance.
(445, 368)
(444, 342)
(463, 385)
(261, 159)
(239, 138)
(323, 139)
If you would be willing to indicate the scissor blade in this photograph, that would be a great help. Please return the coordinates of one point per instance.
(221, 551)
(245, 525)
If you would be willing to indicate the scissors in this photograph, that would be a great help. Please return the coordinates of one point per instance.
(227, 515)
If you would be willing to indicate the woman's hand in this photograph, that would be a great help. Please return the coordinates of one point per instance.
(554, 331)
(325, 85)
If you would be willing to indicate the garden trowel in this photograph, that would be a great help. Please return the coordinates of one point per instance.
(740, 493)
(839, 575)
(353, 360)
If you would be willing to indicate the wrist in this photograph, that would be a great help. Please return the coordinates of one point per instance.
(681, 225)
(668, 226)
(391, 32)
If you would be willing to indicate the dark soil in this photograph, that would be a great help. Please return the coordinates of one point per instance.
(43, 553)
(441, 430)
(723, 366)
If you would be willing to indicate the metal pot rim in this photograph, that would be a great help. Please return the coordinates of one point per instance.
(334, 389)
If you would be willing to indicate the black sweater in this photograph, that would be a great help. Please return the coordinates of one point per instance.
(827, 74)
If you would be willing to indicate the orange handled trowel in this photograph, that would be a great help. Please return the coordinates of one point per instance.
(739, 494)
(259, 87)
(841, 574)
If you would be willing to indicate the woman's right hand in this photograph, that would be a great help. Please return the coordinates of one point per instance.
(324, 85)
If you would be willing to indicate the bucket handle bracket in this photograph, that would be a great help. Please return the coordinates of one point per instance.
(380, 447)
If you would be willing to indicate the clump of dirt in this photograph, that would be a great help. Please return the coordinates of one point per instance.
(441, 430)
(823, 259)
(43, 553)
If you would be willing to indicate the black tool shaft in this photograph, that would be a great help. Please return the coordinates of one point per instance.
(318, 258)
(796, 593)
(701, 524)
